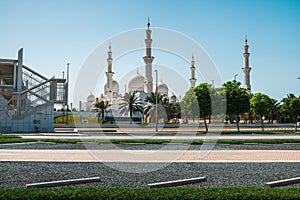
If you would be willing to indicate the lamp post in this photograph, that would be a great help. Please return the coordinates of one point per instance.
(67, 95)
(235, 77)
(63, 103)
(156, 120)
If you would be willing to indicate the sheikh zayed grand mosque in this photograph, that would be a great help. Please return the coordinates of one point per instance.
(143, 85)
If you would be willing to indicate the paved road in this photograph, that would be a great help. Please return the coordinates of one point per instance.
(150, 155)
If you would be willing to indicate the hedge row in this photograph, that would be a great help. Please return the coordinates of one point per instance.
(91, 193)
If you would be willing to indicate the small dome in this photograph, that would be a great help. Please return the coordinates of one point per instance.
(173, 98)
(102, 98)
(162, 88)
(115, 86)
(91, 98)
(136, 83)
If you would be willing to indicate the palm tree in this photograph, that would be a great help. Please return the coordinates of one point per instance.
(102, 106)
(131, 104)
(150, 108)
(275, 112)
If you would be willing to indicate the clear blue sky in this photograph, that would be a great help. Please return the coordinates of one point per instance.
(55, 32)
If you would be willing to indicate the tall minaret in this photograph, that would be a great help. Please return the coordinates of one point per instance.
(148, 59)
(246, 68)
(109, 73)
(193, 79)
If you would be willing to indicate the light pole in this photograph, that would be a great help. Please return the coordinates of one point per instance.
(235, 77)
(67, 96)
(156, 120)
(63, 103)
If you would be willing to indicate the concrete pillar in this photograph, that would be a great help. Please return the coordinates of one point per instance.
(20, 70)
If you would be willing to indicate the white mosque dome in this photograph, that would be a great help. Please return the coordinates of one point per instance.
(173, 98)
(136, 83)
(102, 98)
(114, 89)
(162, 88)
(91, 98)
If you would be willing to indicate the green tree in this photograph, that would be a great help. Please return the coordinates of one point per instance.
(237, 100)
(165, 110)
(261, 105)
(150, 108)
(175, 110)
(275, 112)
(190, 104)
(131, 104)
(102, 106)
(291, 108)
(203, 96)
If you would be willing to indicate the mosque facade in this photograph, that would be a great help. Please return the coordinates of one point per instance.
(142, 85)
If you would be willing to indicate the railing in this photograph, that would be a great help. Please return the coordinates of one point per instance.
(37, 91)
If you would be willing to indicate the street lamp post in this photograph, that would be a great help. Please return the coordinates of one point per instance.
(63, 103)
(156, 117)
(67, 96)
(235, 77)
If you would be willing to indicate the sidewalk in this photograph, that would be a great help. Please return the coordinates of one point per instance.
(150, 156)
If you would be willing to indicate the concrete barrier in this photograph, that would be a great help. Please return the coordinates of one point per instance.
(177, 182)
(63, 182)
(283, 182)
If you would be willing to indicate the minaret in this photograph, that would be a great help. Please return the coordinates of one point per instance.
(246, 68)
(193, 79)
(109, 73)
(148, 59)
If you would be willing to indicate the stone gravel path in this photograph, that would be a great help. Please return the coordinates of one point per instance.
(18, 174)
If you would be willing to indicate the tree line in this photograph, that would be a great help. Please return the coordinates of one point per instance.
(238, 105)
(231, 103)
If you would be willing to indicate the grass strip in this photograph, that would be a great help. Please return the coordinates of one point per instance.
(5, 136)
(99, 131)
(71, 141)
(259, 141)
(92, 193)
(149, 141)
(8, 139)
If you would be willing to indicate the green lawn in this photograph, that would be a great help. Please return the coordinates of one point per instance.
(92, 193)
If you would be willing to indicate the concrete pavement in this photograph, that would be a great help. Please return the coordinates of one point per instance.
(150, 155)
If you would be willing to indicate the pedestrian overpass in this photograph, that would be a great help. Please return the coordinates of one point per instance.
(27, 98)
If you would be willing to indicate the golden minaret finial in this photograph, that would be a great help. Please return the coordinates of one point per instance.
(148, 23)
(246, 39)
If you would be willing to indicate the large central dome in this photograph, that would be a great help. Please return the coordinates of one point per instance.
(136, 83)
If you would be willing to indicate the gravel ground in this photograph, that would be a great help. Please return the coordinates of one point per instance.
(18, 174)
(90, 145)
